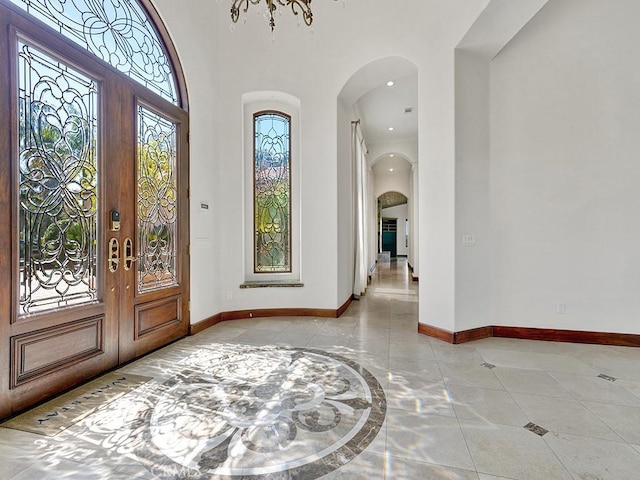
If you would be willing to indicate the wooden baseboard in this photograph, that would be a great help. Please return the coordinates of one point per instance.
(523, 333)
(269, 312)
(414, 278)
(279, 312)
(204, 324)
(473, 334)
(435, 332)
(343, 307)
(572, 336)
(454, 337)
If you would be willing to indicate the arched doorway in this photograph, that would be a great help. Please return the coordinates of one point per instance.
(94, 194)
(380, 100)
(393, 225)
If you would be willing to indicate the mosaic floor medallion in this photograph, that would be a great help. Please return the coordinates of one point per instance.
(237, 411)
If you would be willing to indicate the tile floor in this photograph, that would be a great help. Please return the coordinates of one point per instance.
(452, 412)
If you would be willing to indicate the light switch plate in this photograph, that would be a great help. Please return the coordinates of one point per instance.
(468, 240)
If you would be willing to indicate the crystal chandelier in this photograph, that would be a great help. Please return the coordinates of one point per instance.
(297, 7)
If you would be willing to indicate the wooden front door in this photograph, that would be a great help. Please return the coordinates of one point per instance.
(94, 215)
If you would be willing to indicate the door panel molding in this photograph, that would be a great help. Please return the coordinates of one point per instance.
(153, 316)
(41, 352)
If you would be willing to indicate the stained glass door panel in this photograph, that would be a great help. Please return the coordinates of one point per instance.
(58, 184)
(157, 195)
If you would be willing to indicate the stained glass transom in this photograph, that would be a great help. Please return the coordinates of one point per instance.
(272, 192)
(157, 196)
(116, 31)
(58, 175)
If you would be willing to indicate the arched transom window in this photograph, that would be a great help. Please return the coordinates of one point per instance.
(116, 31)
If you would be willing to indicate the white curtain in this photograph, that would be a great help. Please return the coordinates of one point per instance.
(361, 210)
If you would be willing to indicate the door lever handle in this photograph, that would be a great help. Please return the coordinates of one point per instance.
(114, 255)
(129, 257)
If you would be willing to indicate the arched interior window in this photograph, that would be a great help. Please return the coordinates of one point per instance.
(272, 165)
(116, 31)
(272, 192)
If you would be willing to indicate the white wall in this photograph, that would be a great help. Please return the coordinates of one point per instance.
(564, 113)
(221, 66)
(401, 213)
(407, 149)
(372, 235)
(280, 66)
(298, 62)
(499, 22)
(473, 257)
(437, 165)
(392, 182)
(565, 110)
(199, 61)
(346, 216)
(414, 215)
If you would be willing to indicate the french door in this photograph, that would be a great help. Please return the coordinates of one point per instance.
(94, 215)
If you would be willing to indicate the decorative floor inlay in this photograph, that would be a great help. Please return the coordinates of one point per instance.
(537, 429)
(607, 377)
(250, 412)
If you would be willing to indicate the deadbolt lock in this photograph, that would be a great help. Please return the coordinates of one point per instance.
(114, 221)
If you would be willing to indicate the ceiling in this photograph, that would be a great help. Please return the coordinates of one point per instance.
(395, 106)
(391, 165)
(380, 106)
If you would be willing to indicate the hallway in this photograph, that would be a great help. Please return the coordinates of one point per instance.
(296, 398)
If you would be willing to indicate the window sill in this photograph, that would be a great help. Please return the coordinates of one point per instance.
(271, 284)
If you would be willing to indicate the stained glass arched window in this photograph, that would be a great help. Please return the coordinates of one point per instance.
(116, 31)
(272, 192)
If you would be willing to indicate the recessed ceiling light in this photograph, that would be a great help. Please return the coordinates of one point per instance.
(392, 155)
(390, 83)
(391, 129)
(391, 169)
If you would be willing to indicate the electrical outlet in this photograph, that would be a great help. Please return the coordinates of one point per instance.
(229, 296)
(561, 308)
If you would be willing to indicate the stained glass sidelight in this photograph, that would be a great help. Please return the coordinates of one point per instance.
(58, 197)
(157, 197)
(272, 192)
(116, 31)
